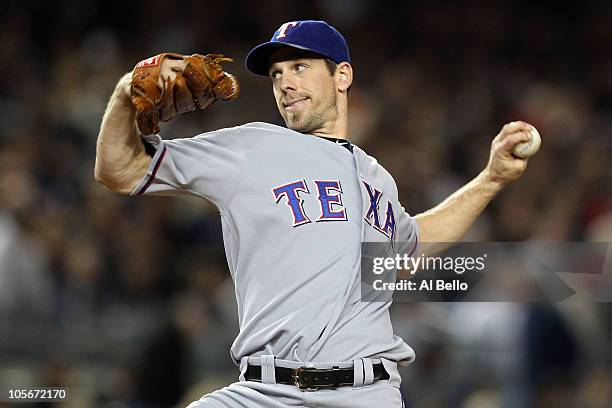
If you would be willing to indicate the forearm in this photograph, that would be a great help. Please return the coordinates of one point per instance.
(449, 221)
(121, 160)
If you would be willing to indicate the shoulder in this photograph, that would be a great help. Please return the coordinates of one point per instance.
(366, 161)
(248, 130)
(264, 127)
(370, 166)
(247, 136)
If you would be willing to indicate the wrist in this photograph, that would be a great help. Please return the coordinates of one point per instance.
(490, 182)
(123, 91)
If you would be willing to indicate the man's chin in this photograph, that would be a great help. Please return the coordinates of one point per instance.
(302, 126)
(293, 125)
(298, 128)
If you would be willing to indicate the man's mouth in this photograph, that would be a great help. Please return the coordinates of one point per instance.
(295, 104)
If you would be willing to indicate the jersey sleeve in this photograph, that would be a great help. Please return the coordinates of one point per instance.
(407, 233)
(209, 166)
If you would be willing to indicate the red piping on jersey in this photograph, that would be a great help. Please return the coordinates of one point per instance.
(153, 173)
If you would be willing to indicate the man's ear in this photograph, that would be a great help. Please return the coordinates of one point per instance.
(344, 76)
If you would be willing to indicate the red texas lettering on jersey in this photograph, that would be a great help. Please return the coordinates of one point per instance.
(372, 216)
(329, 196)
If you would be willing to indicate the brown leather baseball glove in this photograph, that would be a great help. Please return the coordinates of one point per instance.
(170, 83)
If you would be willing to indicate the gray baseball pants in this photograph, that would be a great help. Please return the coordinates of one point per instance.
(267, 394)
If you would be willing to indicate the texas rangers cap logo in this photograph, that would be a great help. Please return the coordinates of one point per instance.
(282, 31)
(308, 35)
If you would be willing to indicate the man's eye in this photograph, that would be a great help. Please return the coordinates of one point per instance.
(300, 67)
(274, 74)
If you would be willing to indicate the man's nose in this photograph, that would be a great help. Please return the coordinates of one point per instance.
(287, 83)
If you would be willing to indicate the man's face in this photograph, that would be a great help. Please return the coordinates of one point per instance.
(304, 89)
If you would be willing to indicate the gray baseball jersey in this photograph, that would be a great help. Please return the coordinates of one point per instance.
(294, 209)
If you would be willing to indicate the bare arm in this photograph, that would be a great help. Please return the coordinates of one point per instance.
(449, 221)
(121, 160)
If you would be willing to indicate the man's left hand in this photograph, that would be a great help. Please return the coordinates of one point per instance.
(503, 167)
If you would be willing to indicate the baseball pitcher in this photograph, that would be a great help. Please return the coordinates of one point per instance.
(295, 202)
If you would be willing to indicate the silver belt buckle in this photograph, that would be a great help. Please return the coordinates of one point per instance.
(298, 378)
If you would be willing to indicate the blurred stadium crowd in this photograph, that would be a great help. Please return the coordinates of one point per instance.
(128, 301)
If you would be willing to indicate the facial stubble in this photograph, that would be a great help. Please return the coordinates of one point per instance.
(314, 119)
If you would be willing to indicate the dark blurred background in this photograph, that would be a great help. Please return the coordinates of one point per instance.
(128, 301)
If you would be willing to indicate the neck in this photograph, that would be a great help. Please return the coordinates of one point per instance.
(336, 132)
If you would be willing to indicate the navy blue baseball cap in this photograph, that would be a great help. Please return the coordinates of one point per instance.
(309, 35)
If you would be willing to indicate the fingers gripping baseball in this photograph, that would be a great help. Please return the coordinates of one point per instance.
(503, 166)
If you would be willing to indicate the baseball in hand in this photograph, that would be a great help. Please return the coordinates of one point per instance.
(527, 149)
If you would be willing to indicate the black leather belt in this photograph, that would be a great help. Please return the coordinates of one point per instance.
(314, 378)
